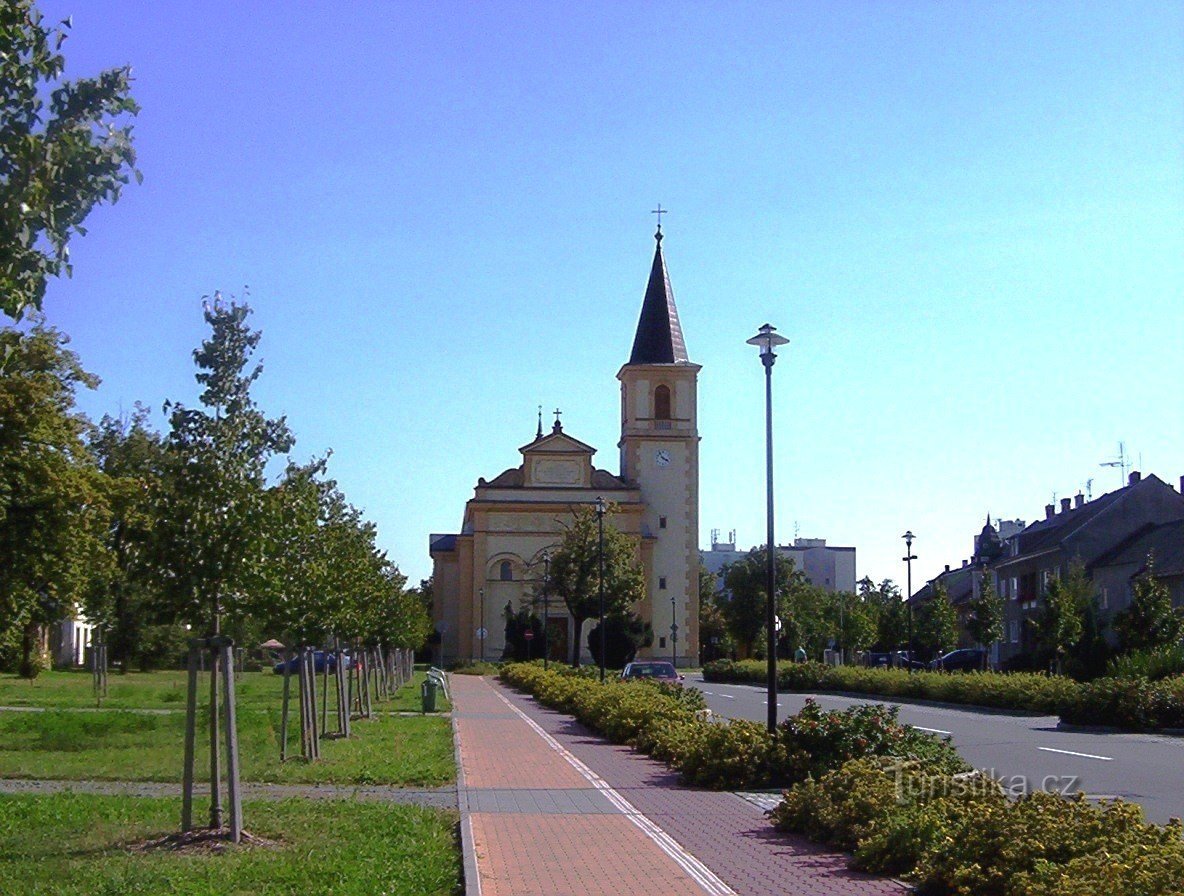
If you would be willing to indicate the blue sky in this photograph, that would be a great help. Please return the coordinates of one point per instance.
(966, 217)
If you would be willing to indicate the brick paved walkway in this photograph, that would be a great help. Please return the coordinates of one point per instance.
(548, 809)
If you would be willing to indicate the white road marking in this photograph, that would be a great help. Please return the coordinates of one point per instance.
(1071, 753)
(728, 696)
(701, 874)
(933, 730)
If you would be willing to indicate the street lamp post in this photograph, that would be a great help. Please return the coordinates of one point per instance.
(481, 627)
(767, 339)
(673, 632)
(600, 570)
(908, 558)
(546, 611)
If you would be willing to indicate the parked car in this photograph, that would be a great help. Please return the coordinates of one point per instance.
(967, 659)
(319, 658)
(652, 671)
(897, 659)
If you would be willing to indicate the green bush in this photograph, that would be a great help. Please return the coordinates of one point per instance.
(1025, 691)
(1165, 662)
(1134, 704)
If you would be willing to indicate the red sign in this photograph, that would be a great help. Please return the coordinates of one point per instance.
(528, 635)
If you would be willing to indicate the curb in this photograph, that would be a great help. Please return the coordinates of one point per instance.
(469, 873)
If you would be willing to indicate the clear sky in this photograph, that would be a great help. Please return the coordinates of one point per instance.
(967, 217)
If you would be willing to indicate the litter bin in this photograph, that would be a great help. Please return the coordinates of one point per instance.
(427, 692)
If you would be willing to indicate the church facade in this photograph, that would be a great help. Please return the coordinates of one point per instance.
(515, 519)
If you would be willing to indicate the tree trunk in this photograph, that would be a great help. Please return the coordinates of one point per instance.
(29, 669)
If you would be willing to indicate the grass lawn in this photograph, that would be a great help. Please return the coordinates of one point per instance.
(119, 745)
(73, 845)
(166, 690)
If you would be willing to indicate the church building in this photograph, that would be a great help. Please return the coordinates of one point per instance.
(520, 515)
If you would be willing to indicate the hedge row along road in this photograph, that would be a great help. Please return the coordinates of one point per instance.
(1024, 750)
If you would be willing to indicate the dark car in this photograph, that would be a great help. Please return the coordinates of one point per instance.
(967, 659)
(319, 659)
(652, 671)
(896, 660)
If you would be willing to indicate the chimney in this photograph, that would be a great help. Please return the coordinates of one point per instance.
(947, 567)
(1135, 476)
(1078, 499)
(1182, 485)
(1049, 510)
(1065, 504)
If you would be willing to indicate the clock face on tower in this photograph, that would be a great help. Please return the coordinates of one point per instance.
(662, 457)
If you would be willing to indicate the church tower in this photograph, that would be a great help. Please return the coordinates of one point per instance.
(660, 453)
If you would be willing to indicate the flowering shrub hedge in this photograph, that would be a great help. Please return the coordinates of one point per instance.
(960, 834)
(1025, 691)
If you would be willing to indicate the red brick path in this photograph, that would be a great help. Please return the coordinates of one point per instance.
(550, 809)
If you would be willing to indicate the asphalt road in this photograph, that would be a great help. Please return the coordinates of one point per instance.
(1027, 752)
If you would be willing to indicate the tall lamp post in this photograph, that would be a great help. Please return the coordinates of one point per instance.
(766, 340)
(673, 632)
(600, 573)
(908, 558)
(481, 627)
(546, 610)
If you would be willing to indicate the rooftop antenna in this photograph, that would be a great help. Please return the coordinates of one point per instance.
(1089, 489)
(1122, 462)
(714, 537)
(732, 536)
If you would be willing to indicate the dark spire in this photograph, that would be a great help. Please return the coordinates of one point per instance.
(539, 434)
(659, 334)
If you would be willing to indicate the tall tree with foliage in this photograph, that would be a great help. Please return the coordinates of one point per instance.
(119, 597)
(935, 623)
(715, 641)
(65, 147)
(985, 618)
(575, 573)
(746, 583)
(852, 619)
(1150, 622)
(883, 602)
(52, 504)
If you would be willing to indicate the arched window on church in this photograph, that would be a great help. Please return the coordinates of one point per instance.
(506, 571)
(662, 403)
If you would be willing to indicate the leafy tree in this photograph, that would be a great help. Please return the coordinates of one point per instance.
(119, 598)
(807, 618)
(985, 619)
(212, 504)
(714, 639)
(935, 623)
(518, 647)
(1061, 622)
(884, 604)
(852, 619)
(745, 608)
(624, 633)
(1150, 622)
(56, 163)
(52, 506)
(575, 574)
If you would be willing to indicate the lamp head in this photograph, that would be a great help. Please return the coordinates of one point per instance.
(908, 538)
(600, 508)
(766, 339)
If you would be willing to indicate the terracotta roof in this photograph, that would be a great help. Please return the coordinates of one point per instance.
(659, 334)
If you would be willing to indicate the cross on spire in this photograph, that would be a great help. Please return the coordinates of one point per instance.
(659, 211)
(558, 427)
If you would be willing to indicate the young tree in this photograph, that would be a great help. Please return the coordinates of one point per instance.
(1150, 622)
(935, 623)
(985, 619)
(746, 583)
(52, 505)
(1061, 623)
(852, 619)
(56, 163)
(885, 605)
(575, 573)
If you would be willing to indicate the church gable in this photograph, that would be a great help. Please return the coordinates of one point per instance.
(557, 461)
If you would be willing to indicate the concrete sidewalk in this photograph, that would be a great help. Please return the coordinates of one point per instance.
(548, 809)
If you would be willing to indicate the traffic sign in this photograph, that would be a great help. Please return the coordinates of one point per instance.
(777, 623)
(528, 635)
(482, 633)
